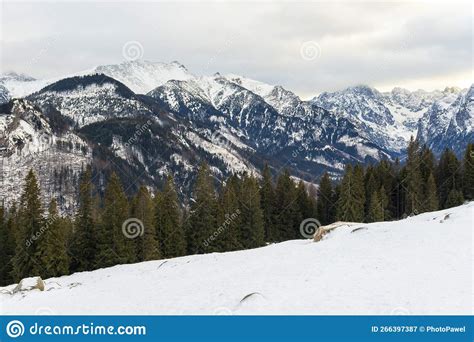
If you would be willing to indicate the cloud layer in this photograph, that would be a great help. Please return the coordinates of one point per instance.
(381, 44)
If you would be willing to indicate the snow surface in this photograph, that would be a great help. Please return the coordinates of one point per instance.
(420, 265)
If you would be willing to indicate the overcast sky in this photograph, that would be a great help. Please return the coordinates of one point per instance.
(308, 47)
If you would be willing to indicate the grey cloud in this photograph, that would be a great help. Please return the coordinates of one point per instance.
(374, 43)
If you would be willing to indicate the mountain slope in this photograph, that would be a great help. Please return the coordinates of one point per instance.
(449, 123)
(142, 76)
(278, 125)
(28, 140)
(421, 266)
(91, 98)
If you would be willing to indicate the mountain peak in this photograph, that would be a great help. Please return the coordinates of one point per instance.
(364, 89)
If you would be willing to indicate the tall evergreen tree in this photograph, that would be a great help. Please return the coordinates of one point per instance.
(252, 232)
(169, 224)
(7, 246)
(376, 210)
(203, 213)
(116, 234)
(267, 195)
(413, 182)
(229, 217)
(371, 187)
(52, 253)
(143, 209)
(286, 220)
(325, 203)
(384, 199)
(84, 242)
(468, 172)
(448, 176)
(430, 196)
(454, 199)
(305, 203)
(30, 227)
(350, 206)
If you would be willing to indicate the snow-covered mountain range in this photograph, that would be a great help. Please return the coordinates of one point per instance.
(147, 119)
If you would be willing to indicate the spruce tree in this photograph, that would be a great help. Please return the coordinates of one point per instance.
(267, 195)
(84, 242)
(350, 206)
(169, 224)
(430, 196)
(413, 181)
(203, 214)
(325, 198)
(371, 187)
(30, 228)
(252, 232)
(52, 253)
(305, 203)
(143, 210)
(376, 210)
(384, 201)
(468, 172)
(359, 192)
(454, 199)
(7, 246)
(286, 220)
(118, 229)
(448, 176)
(229, 217)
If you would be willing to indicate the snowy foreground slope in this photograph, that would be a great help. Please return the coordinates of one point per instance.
(420, 265)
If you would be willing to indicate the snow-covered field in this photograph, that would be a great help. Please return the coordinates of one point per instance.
(421, 265)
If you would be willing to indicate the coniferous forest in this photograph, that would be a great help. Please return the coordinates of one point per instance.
(245, 212)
